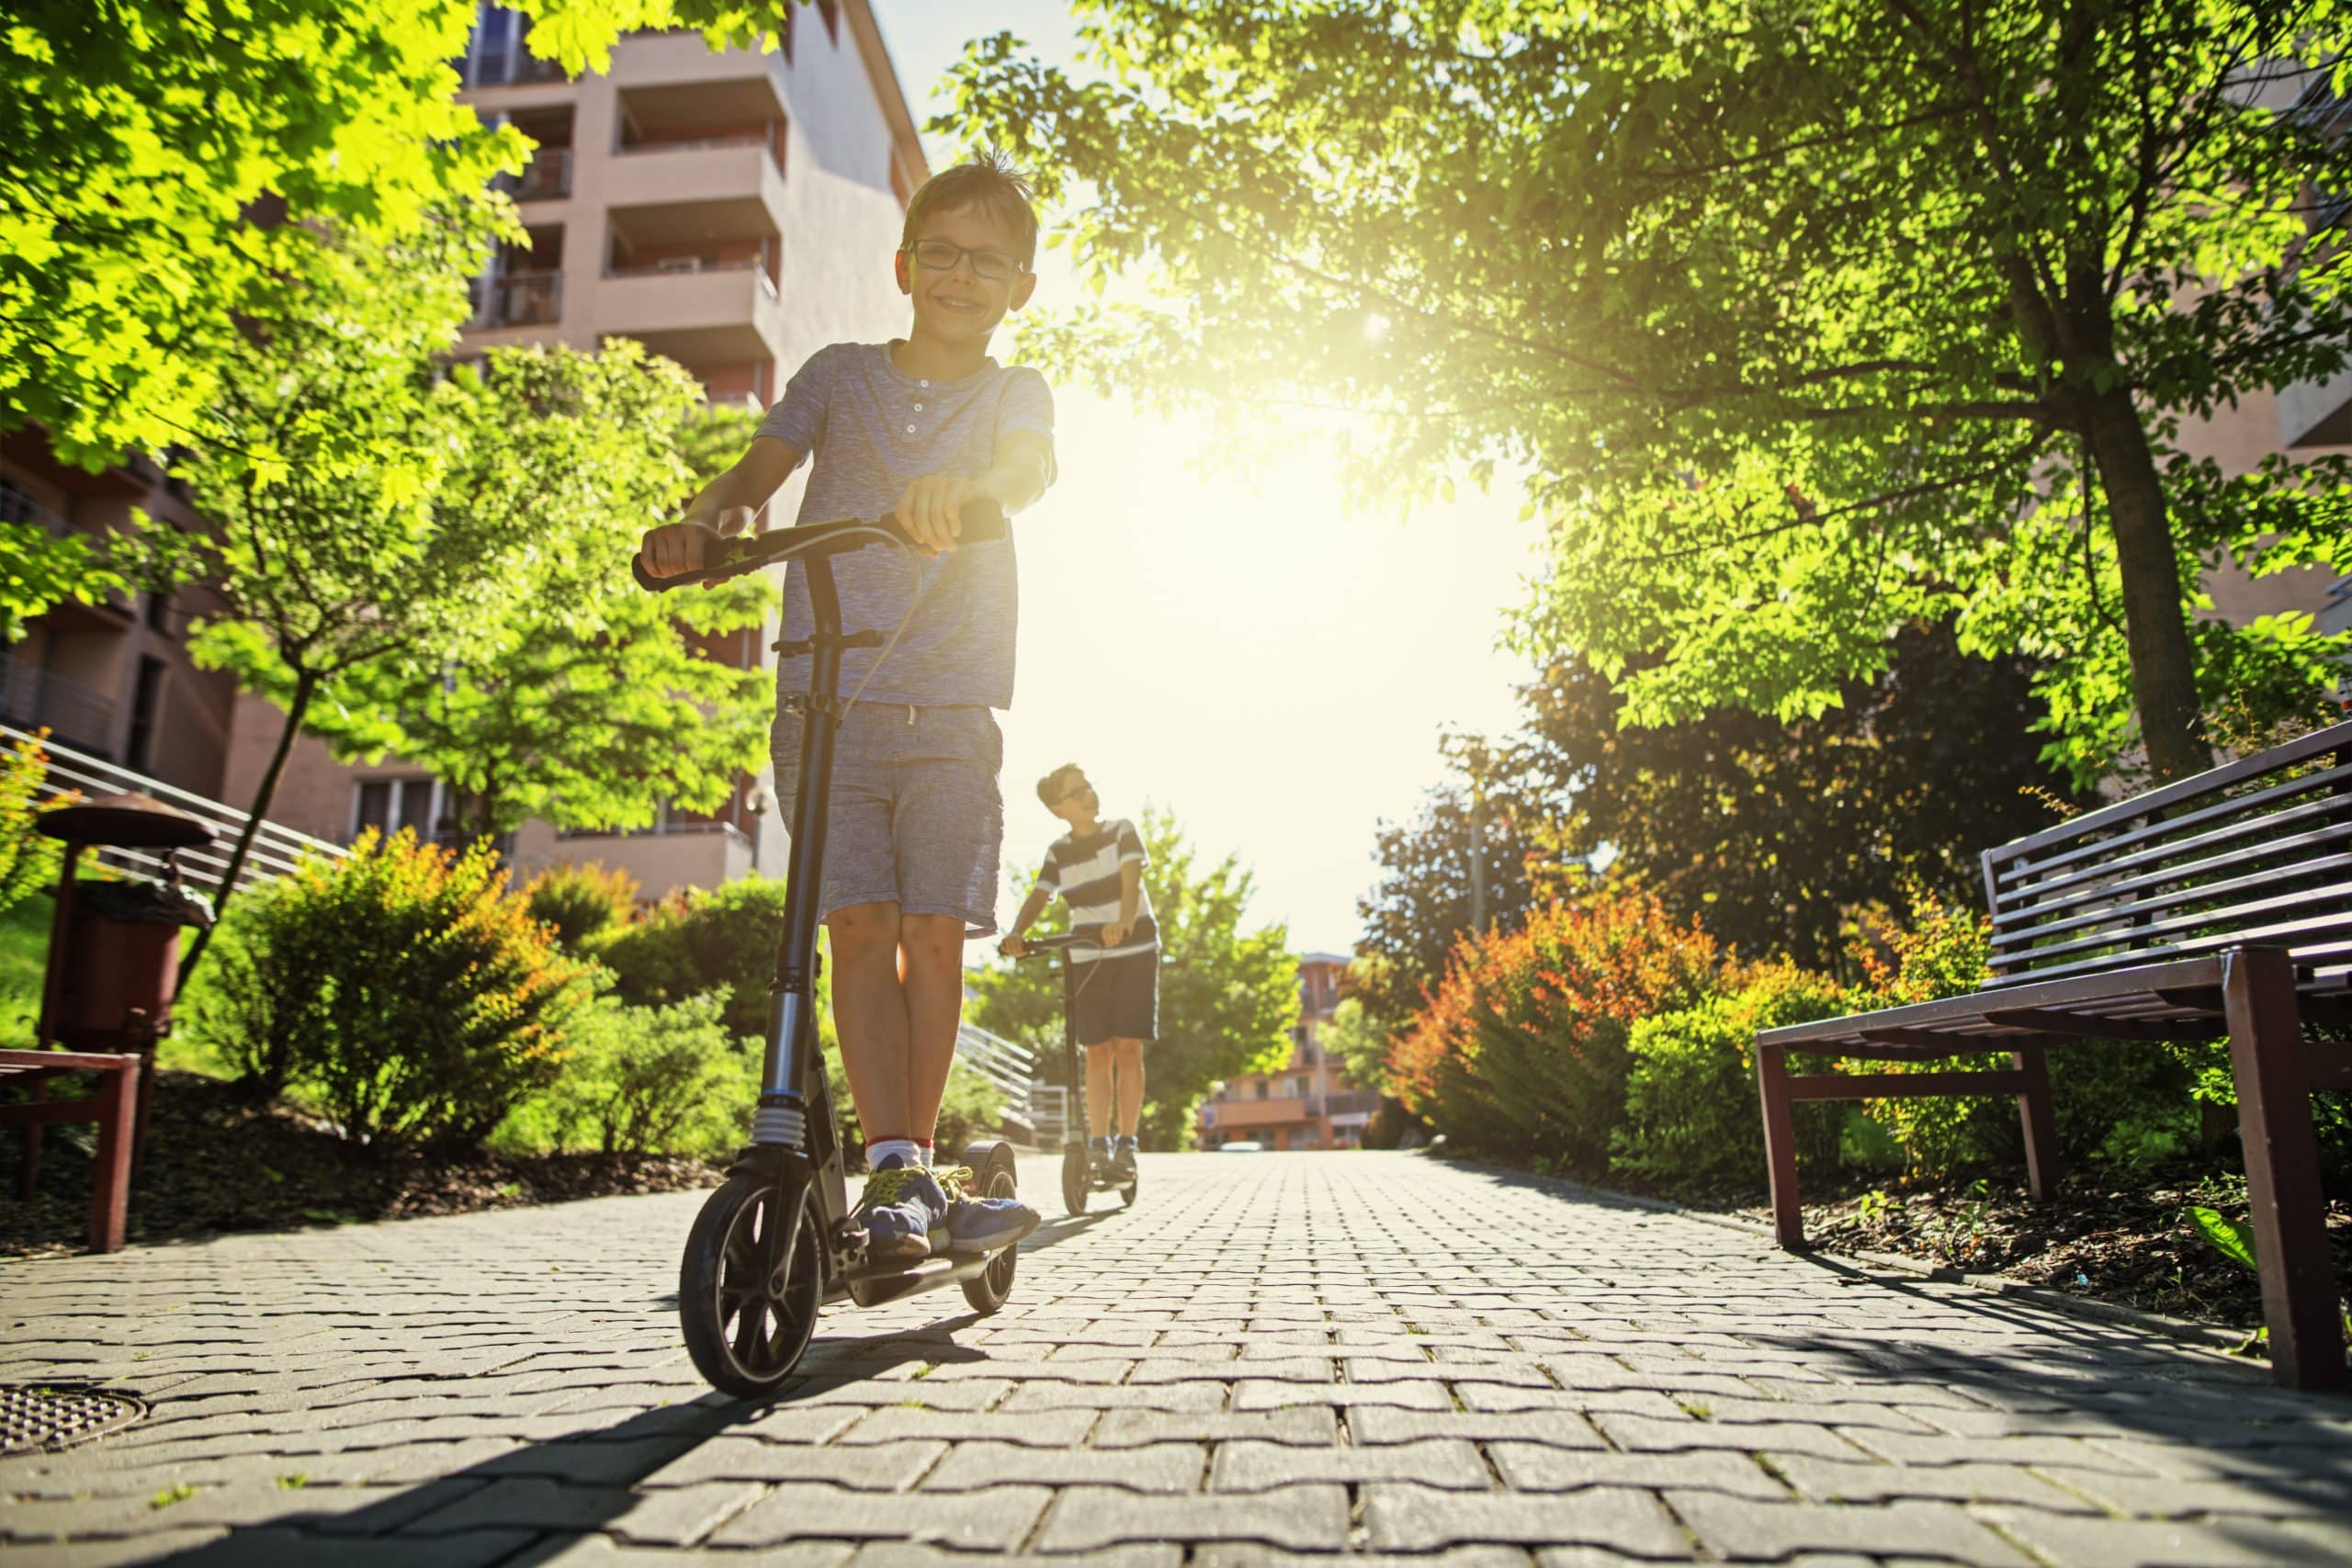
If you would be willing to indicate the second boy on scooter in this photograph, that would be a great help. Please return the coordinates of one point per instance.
(1097, 869)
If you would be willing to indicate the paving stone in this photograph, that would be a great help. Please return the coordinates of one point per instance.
(1421, 1519)
(1131, 1428)
(1433, 1461)
(2074, 1542)
(1086, 1519)
(897, 1554)
(1044, 1428)
(603, 1551)
(1738, 1530)
(1538, 1467)
(1560, 1429)
(1158, 1467)
(997, 1519)
(1642, 1434)
(1832, 1481)
(864, 1467)
(273, 1546)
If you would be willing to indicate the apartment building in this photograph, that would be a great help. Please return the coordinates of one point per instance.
(731, 210)
(1308, 1104)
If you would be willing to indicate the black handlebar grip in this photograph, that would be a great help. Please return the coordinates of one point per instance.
(717, 553)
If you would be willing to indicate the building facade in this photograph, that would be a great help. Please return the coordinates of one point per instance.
(731, 210)
(1309, 1103)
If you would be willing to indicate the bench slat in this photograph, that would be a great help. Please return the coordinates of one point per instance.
(2229, 915)
(2025, 894)
(2009, 933)
(2080, 993)
(2167, 826)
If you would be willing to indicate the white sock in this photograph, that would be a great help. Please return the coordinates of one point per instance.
(875, 1153)
(928, 1154)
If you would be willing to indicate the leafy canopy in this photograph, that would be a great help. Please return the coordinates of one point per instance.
(1811, 318)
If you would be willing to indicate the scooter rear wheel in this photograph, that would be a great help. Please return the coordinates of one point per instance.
(1128, 1193)
(992, 1177)
(746, 1321)
(1078, 1180)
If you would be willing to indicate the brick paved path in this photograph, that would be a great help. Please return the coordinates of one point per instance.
(1370, 1354)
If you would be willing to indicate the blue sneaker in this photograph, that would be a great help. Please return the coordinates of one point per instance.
(983, 1224)
(900, 1204)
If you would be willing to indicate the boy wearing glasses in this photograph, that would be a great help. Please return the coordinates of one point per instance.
(1097, 868)
(916, 426)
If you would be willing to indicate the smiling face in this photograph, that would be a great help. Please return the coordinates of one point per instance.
(954, 303)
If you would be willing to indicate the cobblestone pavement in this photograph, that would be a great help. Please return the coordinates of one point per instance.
(1272, 1354)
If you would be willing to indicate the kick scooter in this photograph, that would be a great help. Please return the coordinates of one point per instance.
(1083, 1173)
(777, 1241)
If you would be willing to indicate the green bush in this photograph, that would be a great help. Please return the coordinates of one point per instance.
(667, 1079)
(1692, 1115)
(582, 902)
(403, 987)
(723, 939)
(29, 861)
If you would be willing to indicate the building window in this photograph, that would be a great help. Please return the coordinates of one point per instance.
(146, 701)
(1262, 1088)
(391, 805)
(159, 611)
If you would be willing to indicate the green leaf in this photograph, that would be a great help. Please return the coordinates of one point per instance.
(2234, 1239)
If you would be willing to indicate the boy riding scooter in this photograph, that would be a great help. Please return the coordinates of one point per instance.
(1097, 869)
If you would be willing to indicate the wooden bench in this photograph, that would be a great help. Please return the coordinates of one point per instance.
(114, 1108)
(2219, 906)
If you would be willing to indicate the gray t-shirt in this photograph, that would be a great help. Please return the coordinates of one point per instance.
(873, 429)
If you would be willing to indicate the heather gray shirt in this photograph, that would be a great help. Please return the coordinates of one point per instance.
(872, 430)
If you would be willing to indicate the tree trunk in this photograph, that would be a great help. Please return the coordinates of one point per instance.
(2164, 674)
(305, 684)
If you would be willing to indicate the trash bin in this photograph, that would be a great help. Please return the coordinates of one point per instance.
(114, 947)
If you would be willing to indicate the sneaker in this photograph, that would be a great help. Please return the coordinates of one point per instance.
(900, 1204)
(1100, 1150)
(983, 1224)
(1123, 1157)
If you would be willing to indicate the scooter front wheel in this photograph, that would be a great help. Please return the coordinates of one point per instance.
(749, 1312)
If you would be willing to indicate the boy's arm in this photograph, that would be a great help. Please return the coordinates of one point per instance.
(1130, 896)
(1031, 907)
(725, 506)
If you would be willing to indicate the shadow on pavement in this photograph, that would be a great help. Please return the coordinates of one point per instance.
(532, 1501)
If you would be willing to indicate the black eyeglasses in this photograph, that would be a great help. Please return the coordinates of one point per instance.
(941, 255)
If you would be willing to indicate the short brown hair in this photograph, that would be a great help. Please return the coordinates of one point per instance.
(1056, 784)
(989, 182)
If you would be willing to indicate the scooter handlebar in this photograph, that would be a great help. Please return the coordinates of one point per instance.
(1047, 946)
(983, 523)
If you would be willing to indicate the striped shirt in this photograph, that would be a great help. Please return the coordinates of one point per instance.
(1085, 872)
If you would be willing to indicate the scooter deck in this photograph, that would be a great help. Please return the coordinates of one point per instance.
(873, 1285)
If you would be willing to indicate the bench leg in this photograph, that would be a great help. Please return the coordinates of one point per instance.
(1781, 1146)
(29, 1166)
(2044, 1164)
(111, 1182)
(2299, 1300)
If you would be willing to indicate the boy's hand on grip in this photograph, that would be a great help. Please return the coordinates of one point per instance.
(1012, 947)
(677, 549)
(932, 511)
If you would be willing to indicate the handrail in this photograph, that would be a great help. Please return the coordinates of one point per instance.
(276, 848)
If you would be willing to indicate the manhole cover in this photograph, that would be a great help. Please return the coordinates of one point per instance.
(59, 1417)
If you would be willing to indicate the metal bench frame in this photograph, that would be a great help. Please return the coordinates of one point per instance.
(115, 1108)
(2217, 907)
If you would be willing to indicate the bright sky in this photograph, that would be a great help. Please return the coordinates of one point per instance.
(1243, 652)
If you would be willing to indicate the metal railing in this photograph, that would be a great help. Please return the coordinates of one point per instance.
(517, 299)
(277, 849)
(1357, 1102)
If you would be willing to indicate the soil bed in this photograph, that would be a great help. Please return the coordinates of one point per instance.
(215, 1162)
(2116, 1236)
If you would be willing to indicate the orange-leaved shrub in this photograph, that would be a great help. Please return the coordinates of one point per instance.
(1520, 1051)
(404, 989)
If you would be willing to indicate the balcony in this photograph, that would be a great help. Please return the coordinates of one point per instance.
(695, 312)
(547, 178)
(517, 299)
(31, 697)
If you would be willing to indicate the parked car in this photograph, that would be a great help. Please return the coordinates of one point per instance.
(1243, 1146)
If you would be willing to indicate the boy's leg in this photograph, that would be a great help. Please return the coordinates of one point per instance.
(1130, 1059)
(870, 1012)
(1100, 1057)
(934, 1003)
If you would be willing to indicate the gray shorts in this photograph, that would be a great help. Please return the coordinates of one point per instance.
(916, 819)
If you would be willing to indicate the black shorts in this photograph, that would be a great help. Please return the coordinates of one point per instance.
(1116, 998)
